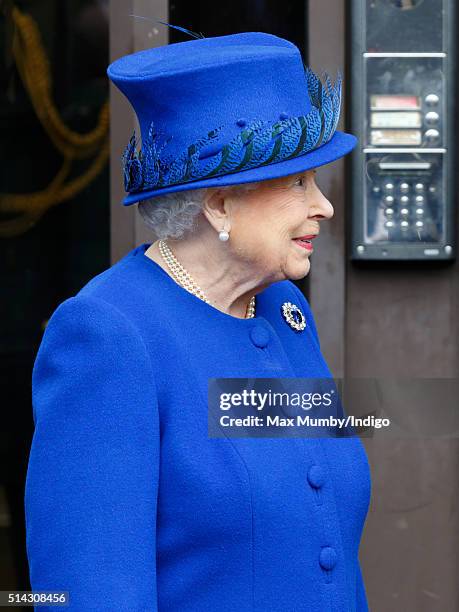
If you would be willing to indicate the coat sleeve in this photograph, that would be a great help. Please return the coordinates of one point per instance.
(92, 477)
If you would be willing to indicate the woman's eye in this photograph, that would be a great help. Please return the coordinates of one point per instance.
(301, 180)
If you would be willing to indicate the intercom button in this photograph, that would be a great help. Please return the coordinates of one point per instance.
(432, 99)
(404, 187)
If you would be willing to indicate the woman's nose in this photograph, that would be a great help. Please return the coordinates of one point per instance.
(321, 207)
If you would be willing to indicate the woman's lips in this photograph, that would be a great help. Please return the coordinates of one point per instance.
(304, 243)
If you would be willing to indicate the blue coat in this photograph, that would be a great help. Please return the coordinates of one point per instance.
(131, 507)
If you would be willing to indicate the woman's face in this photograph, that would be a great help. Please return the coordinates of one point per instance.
(268, 224)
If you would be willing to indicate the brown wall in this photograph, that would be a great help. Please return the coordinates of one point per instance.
(127, 35)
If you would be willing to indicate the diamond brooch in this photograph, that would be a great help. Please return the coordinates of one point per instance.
(293, 315)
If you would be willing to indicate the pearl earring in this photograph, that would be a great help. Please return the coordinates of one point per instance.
(223, 235)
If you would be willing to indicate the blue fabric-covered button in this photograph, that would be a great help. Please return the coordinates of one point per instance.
(241, 122)
(328, 557)
(259, 336)
(283, 116)
(316, 476)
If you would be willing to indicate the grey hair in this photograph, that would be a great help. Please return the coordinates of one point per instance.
(174, 214)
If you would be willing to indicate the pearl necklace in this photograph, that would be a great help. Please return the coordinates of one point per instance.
(184, 278)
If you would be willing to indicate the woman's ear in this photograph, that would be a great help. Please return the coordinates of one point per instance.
(217, 208)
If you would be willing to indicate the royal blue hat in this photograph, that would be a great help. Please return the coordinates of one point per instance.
(226, 110)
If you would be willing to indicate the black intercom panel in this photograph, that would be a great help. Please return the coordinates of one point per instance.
(402, 102)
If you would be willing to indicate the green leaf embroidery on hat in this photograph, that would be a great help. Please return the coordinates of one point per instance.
(259, 144)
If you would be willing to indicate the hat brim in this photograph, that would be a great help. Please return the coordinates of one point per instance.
(341, 144)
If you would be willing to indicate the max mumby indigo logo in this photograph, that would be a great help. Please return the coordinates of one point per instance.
(258, 144)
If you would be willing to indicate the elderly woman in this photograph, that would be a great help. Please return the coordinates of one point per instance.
(131, 505)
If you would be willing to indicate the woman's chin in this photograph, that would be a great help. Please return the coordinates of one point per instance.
(299, 270)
